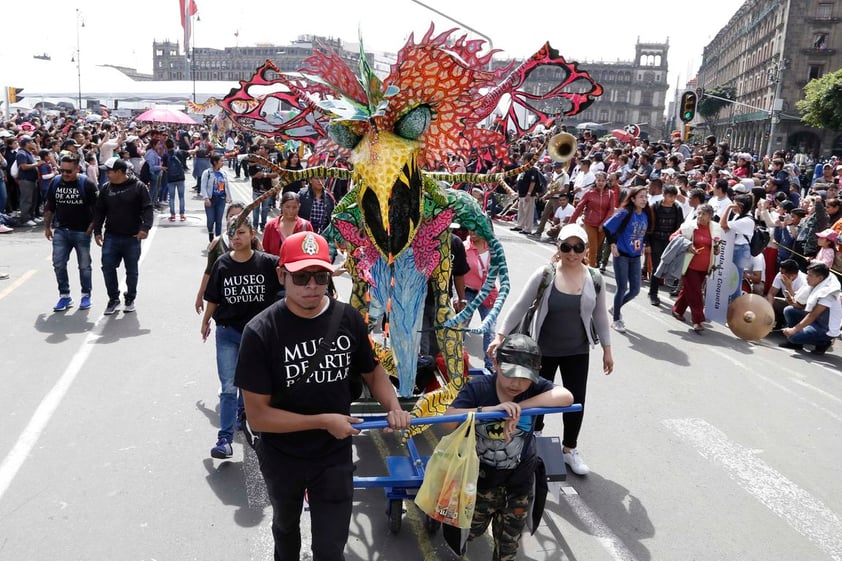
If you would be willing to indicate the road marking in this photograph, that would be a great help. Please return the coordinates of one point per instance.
(596, 527)
(46, 409)
(798, 508)
(17, 283)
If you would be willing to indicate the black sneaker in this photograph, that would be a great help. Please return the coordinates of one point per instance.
(822, 348)
(654, 300)
(111, 308)
(128, 307)
(788, 345)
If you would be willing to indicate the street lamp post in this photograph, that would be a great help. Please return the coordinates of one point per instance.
(776, 73)
(79, 24)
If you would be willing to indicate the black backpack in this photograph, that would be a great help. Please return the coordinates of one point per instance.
(759, 238)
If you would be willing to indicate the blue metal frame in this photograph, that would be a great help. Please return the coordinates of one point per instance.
(406, 473)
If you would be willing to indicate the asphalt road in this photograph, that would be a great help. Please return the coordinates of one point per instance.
(702, 447)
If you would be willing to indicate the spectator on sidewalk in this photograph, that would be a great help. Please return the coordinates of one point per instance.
(815, 316)
(215, 192)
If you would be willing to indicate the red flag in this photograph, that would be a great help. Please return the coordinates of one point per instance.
(188, 9)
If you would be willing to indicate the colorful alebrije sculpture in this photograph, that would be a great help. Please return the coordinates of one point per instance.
(394, 221)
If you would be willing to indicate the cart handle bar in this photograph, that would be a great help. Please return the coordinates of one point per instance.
(459, 417)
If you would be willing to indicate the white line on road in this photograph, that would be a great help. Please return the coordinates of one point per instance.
(798, 508)
(597, 528)
(48, 406)
(18, 282)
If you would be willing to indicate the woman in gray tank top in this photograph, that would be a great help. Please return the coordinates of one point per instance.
(572, 316)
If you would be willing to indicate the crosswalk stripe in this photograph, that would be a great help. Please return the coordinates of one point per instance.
(798, 508)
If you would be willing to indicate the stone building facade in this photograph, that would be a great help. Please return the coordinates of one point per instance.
(634, 92)
(769, 50)
(238, 63)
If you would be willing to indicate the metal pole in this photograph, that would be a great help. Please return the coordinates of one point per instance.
(78, 62)
(779, 73)
(781, 65)
(193, 56)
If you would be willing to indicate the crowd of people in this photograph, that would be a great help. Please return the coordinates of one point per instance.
(634, 198)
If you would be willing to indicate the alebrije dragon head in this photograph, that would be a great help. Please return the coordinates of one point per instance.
(433, 102)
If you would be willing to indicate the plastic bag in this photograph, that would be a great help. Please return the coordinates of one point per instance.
(449, 490)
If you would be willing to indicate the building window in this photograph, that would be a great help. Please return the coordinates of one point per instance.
(820, 41)
(824, 10)
(815, 71)
(621, 116)
(603, 115)
(159, 52)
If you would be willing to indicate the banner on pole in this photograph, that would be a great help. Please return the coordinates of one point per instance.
(722, 282)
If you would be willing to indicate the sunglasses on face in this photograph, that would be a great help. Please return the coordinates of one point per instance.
(68, 171)
(302, 278)
(566, 247)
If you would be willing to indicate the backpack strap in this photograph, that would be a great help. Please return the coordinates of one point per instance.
(596, 278)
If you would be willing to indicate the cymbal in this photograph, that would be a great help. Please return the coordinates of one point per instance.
(751, 317)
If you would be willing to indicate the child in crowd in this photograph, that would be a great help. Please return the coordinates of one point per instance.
(827, 247)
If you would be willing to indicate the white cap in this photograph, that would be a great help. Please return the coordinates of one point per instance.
(572, 231)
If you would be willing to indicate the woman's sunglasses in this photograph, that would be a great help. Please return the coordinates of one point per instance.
(565, 247)
(302, 278)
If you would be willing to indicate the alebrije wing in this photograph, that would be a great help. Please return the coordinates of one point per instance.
(257, 106)
(574, 91)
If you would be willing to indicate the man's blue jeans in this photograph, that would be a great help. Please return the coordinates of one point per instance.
(261, 211)
(65, 241)
(214, 214)
(4, 195)
(227, 349)
(813, 334)
(172, 186)
(627, 276)
(117, 248)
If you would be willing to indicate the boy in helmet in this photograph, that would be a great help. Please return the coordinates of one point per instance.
(506, 447)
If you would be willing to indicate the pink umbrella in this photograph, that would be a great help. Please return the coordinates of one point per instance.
(164, 115)
(621, 135)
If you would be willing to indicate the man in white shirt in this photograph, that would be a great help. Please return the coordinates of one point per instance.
(561, 217)
(785, 286)
(817, 321)
(720, 200)
(584, 179)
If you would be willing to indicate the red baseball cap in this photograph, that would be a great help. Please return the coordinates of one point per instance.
(305, 249)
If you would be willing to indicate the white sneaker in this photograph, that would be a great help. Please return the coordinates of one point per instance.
(619, 326)
(38, 220)
(576, 463)
(30, 223)
(5, 229)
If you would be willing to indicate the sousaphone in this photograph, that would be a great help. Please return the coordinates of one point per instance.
(562, 147)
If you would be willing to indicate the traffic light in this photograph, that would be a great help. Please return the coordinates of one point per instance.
(14, 94)
(687, 106)
(688, 131)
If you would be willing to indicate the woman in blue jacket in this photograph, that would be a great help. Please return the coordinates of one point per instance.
(626, 231)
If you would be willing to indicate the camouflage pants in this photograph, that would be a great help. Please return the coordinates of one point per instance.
(507, 516)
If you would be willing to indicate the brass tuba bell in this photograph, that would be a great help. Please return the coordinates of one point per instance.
(562, 147)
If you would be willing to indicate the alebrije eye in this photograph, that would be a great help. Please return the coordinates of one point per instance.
(342, 135)
(415, 123)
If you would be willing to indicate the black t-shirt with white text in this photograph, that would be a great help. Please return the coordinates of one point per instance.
(242, 290)
(275, 351)
(73, 207)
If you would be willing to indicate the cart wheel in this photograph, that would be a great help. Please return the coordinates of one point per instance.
(395, 515)
(431, 525)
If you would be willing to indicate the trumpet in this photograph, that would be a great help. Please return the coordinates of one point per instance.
(562, 147)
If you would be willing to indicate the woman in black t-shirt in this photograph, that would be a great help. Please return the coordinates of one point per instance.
(242, 283)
